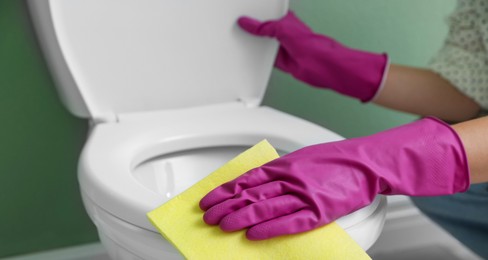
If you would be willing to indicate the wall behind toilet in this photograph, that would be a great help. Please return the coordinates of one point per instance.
(40, 205)
(40, 141)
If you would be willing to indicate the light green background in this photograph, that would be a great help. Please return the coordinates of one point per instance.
(40, 142)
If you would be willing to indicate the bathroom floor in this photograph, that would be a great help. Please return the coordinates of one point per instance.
(96, 252)
(431, 253)
(93, 251)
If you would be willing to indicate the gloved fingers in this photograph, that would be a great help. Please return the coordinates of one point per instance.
(252, 178)
(215, 214)
(289, 23)
(297, 222)
(261, 211)
(258, 28)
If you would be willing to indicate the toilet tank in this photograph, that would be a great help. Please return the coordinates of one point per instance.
(111, 57)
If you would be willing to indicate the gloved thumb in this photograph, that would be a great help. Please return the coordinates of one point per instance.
(256, 27)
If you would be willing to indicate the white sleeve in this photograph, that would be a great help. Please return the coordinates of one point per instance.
(463, 60)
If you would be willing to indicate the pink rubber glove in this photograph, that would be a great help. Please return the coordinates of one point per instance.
(315, 185)
(320, 60)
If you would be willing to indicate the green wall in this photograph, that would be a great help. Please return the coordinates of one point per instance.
(40, 141)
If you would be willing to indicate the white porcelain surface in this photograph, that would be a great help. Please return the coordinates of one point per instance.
(121, 56)
(163, 174)
(110, 165)
(125, 241)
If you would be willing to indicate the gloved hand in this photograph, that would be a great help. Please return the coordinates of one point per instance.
(315, 185)
(320, 60)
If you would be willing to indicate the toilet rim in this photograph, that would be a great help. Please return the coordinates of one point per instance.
(151, 152)
(109, 182)
(147, 200)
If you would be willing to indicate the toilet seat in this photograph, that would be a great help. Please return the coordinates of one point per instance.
(113, 151)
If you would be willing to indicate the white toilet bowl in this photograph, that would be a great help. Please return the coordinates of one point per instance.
(146, 162)
(166, 113)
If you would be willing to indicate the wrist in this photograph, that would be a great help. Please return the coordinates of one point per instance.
(382, 83)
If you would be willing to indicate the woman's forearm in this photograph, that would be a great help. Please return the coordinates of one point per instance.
(474, 136)
(423, 92)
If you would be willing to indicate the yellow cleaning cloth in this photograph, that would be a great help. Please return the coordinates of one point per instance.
(180, 222)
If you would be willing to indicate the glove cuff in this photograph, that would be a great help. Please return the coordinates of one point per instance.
(423, 158)
(382, 82)
(462, 175)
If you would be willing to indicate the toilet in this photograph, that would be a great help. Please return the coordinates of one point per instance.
(172, 90)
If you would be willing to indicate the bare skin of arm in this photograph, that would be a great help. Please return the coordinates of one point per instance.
(474, 135)
(423, 92)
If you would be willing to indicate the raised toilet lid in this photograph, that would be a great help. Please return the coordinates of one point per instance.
(112, 57)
